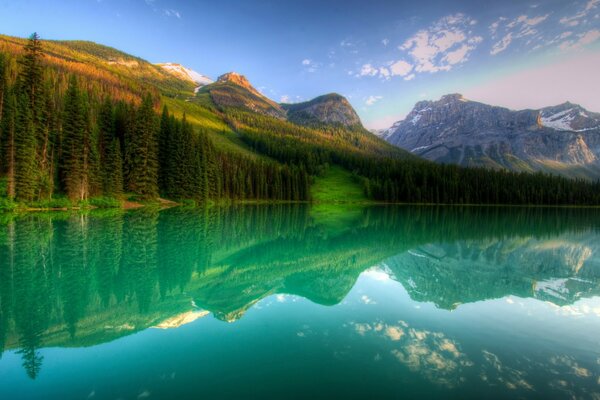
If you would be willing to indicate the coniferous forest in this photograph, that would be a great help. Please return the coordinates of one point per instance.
(69, 137)
(64, 135)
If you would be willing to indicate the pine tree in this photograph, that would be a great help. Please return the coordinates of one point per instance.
(32, 73)
(113, 185)
(142, 171)
(75, 166)
(8, 128)
(106, 135)
(25, 173)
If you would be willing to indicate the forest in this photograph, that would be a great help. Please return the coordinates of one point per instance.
(65, 140)
(75, 137)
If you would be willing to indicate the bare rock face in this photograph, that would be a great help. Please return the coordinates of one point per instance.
(563, 139)
(328, 109)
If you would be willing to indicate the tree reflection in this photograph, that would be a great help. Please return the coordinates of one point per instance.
(73, 279)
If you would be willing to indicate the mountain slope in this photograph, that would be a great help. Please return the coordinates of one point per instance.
(232, 90)
(563, 139)
(328, 109)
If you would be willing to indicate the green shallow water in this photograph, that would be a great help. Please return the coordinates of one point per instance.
(300, 302)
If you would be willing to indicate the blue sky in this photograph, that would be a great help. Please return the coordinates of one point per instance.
(383, 55)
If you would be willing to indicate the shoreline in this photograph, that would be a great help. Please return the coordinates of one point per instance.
(161, 203)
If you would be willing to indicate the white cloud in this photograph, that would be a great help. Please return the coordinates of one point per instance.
(442, 45)
(589, 37)
(310, 65)
(513, 29)
(372, 100)
(581, 40)
(368, 70)
(575, 19)
(502, 44)
(401, 68)
(284, 99)
(172, 13)
(385, 41)
(457, 56)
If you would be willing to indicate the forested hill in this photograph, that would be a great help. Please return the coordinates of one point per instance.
(84, 124)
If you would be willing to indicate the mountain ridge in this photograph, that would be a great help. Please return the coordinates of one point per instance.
(562, 139)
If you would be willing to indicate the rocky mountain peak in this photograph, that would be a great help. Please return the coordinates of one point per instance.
(331, 108)
(235, 78)
(239, 80)
(452, 98)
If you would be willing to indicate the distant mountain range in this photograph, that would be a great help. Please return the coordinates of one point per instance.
(563, 139)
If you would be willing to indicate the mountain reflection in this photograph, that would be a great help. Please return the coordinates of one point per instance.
(82, 279)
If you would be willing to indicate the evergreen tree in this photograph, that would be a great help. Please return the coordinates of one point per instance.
(142, 152)
(32, 74)
(8, 127)
(24, 151)
(113, 185)
(76, 145)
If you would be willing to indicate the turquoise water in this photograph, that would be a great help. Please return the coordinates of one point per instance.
(300, 302)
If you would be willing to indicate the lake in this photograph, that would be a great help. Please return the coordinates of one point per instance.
(294, 301)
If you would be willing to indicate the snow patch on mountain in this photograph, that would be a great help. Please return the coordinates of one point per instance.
(560, 121)
(188, 74)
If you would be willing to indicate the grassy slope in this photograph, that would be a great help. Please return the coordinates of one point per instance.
(337, 186)
(223, 137)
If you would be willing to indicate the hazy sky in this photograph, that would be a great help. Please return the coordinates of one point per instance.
(383, 55)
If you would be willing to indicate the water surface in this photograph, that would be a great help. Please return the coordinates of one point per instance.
(301, 302)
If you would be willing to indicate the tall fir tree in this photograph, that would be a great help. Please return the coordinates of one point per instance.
(113, 184)
(8, 126)
(75, 166)
(25, 174)
(142, 177)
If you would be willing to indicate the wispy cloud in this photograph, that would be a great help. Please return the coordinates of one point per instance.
(576, 19)
(310, 65)
(447, 42)
(443, 45)
(169, 12)
(372, 100)
(513, 29)
(580, 40)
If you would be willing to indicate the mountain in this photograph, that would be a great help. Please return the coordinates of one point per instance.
(184, 73)
(232, 90)
(328, 109)
(564, 139)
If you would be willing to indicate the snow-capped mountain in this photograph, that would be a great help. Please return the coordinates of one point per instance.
(184, 73)
(569, 117)
(563, 139)
(386, 133)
